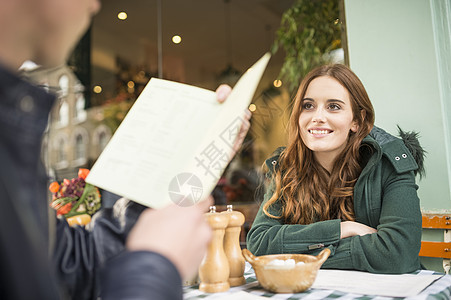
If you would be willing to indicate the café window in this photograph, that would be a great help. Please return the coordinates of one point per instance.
(79, 110)
(61, 147)
(103, 140)
(62, 115)
(80, 146)
(64, 85)
(102, 135)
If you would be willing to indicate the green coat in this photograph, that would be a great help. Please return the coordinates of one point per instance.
(385, 198)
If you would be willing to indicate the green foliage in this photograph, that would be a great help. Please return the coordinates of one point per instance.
(309, 30)
(114, 111)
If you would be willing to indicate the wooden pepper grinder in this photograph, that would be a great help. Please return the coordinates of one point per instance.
(232, 246)
(214, 269)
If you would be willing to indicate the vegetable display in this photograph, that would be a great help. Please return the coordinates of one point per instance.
(75, 199)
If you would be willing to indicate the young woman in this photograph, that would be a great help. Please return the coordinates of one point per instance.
(341, 183)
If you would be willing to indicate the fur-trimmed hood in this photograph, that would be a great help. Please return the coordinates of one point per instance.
(410, 140)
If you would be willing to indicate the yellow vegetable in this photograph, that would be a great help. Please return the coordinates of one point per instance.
(79, 220)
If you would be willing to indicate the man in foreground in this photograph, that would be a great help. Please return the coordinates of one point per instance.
(163, 247)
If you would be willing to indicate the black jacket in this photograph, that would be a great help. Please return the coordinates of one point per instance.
(29, 267)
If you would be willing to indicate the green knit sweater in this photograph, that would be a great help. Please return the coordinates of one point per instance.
(385, 198)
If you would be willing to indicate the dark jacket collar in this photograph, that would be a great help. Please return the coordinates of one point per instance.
(404, 153)
(24, 107)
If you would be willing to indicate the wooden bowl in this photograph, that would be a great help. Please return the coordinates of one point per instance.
(286, 279)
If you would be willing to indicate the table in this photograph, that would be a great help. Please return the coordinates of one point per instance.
(440, 289)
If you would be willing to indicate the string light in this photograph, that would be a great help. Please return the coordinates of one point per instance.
(97, 89)
(277, 83)
(122, 15)
(176, 39)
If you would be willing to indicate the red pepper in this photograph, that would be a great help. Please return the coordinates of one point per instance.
(64, 210)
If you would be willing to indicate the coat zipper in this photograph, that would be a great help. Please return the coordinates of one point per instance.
(315, 246)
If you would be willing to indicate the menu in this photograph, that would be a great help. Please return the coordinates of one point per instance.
(175, 142)
(403, 285)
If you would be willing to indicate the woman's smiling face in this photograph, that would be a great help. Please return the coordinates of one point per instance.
(326, 118)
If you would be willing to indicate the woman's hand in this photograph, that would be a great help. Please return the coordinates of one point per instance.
(222, 92)
(350, 228)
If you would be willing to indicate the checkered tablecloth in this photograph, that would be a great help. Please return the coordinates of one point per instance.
(440, 289)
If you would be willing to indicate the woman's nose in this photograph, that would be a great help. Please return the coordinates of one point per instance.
(319, 116)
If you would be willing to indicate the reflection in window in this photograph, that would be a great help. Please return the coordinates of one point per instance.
(63, 114)
(64, 85)
(103, 140)
(61, 155)
(79, 111)
(101, 137)
(80, 148)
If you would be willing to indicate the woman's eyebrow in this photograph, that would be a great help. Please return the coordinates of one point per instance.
(336, 100)
(328, 100)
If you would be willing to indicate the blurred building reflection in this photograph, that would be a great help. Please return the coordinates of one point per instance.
(75, 137)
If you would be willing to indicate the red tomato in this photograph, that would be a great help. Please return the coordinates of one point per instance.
(83, 173)
(54, 187)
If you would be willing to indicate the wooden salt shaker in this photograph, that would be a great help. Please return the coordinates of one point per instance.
(214, 269)
(232, 246)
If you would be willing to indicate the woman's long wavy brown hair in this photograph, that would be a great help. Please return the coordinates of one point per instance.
(307, 191)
